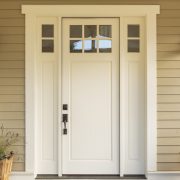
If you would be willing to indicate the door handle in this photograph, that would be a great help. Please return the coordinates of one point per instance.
(65, 120)
(65, 117)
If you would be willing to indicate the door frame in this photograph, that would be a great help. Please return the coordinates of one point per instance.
(149, 12)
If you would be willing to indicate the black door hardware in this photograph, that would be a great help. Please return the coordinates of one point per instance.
(65, 120)
(65, 117)
(65, 107)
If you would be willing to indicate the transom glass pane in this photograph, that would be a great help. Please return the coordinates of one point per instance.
(90, 46)
(47, 30)
(105, 46)
(75, 46)
(47, 45)
(90, 38)
(90, 31)
(133, 45)
(105, 31)
(75, 31)
(133, 30)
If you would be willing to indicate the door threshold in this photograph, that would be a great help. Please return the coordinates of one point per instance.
(74, 177)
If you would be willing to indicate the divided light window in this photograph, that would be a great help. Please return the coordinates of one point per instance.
(133, 38)
(47, 38)
(90, 38)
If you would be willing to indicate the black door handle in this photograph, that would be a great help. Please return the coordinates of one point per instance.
(65, 120)
(65, 117)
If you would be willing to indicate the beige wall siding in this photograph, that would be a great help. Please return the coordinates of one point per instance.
(12, 74)
(169, 87)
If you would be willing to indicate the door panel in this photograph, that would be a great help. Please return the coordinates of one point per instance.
(91, 111)
(91, 90)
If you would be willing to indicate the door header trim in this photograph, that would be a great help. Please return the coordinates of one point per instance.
(90, 10)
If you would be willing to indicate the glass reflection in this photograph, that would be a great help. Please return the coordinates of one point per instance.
(47, 46)
(75, 46)
(133, 30)
(105, 46)
(47, 30)
(133, 45)
(90, 46)
(75, 31)
(105, 31)
(90, 31)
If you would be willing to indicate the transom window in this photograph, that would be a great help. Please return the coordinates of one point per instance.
(90, 38)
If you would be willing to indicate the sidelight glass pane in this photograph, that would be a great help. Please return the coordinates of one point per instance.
(47, 30)
(133, 30)
(133, 45)
(105, 46)
(105, 31)
(90, 46)
(47, 45)
(90, 31)
(75, 31)
(76, 46)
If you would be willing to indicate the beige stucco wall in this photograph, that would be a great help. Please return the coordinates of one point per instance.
(12, 74)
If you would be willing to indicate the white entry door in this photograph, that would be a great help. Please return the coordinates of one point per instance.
(90, 82)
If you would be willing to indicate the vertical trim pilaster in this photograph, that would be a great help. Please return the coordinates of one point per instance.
(122, 100)
(30, 103)
(151, 69)
(59, 96)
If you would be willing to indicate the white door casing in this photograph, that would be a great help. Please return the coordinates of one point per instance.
(91, 90)
(57, 12)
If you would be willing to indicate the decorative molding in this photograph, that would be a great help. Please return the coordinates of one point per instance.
(86, 10)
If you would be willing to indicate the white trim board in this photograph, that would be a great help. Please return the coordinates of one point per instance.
(60, 11)
(86, 10)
